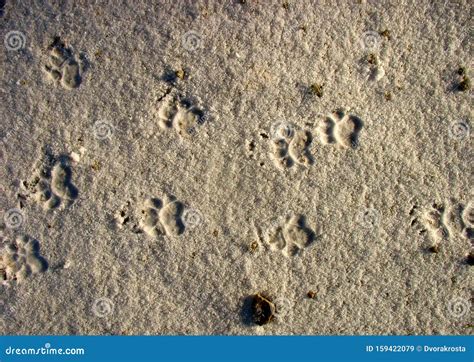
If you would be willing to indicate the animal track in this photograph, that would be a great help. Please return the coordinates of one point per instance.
(443, 221)
(51, 184)
(156, 217)
(63, 66)
(371, 68)
(174, 112)
(21, 259)
(291, 237)
(162, 217)
(340, 128)
(290, 147)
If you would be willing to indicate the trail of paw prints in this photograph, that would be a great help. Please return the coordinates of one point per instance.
(179, 114)
(63, 67)
(290, 146)
(444, 221)
(20, 259)
(340, 128)
(166, 216)
(291, 237)
(51, 184)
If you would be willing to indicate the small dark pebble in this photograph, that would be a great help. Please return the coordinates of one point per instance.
(311, 294)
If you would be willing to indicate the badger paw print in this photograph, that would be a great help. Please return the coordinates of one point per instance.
(444, 221)
(21, 259)
(291, 147)
(181, 115)
(340, 128)
(291, 237)
(162, 216)
(63, 67)
(51, 184)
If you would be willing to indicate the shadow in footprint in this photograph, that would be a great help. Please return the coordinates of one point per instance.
(189, 104)
(35, 250)
(63, 161)
(2, 7)
(358, 124)
(246, 314)
(169, 76)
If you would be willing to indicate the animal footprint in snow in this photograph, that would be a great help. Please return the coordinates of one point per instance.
(290, 146)
(20, 259)
(63, 67)
(340, 128)
(178, 114)
(51, 185)
(162, 217)
(291, 237)
(446, 220)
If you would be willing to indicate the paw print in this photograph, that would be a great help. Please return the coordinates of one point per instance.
(340, 128)
(178, 114)
(432, 220)
(162, 217)
(290, 147)
(63, 67)
(443, 221)
(292, 237)
(21, 259)
(52, 185)
(467, 216)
